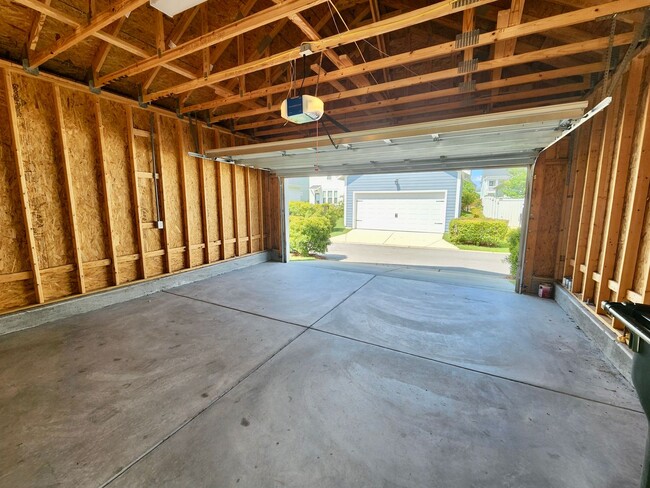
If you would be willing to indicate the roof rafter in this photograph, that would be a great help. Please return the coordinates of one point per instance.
(596, 44)
(553, 74)
(541, 25)
(224, 33)
(439, 50)
(98, 22)
(388, 25)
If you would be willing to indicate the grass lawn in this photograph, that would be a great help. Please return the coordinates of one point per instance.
(339, 228)
(468, 247)
(298, 257)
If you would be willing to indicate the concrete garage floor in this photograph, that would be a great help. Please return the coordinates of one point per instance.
(303, 376)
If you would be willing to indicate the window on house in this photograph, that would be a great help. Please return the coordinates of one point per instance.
(336, 197)
(329, 196)
(329, 177)
(317, 197)
(491, 183)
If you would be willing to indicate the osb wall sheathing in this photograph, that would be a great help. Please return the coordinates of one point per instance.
(193, 192)
(13, 242)
(44, 171)
(81, 134)
(211, 199)
(227, 209)
(44, 167)
(116, 155)
(544, 225)
(242, 230)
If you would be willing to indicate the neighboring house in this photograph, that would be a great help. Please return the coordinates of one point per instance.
(297, 189)
(326, 189)
(497, 206)
(416, 202)
(504, 208)
(491, 179)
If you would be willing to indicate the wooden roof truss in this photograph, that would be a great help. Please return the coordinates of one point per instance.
(375, 62)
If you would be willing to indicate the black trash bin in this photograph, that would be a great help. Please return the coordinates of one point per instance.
(636, 318)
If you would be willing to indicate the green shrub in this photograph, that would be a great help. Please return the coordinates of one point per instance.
(478, 232)
(301, 209)
(513, 244)
(305, 209)
(477, 212)
(309, 234)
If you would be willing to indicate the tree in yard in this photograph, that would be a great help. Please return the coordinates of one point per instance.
(515, 187)
(470, 196)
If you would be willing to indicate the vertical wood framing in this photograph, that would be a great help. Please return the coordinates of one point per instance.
(186, 214)
(159, 26)
(37, 27)
(207, 255)
(135, 191)
(247, 191)
(260, 208)
(535, 214)
(235, 200)
(588, 190)
(580, 166)
(22, 184)
(205, 28)
(640, 182)
(599, 202)
(115, 268)
(72, 207)
(161, 185)
(220, 216)
(620, 169)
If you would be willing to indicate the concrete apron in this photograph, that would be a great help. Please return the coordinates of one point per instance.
(394, 239)
(286, 375)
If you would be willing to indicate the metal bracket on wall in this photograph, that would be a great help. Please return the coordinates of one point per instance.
(462, 3)
(468, 86)
(93, 89)
(467, 39)
(140, 97)
(468, 66)
(28, 69)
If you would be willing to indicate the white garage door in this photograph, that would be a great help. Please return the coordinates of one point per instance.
(401, 211)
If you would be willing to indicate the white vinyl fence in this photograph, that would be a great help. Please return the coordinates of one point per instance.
(502, 208)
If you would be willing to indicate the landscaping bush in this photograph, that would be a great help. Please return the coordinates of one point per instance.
(301, 209)
(305, 209)
(513, 244)
(309, 234)
(478, 232)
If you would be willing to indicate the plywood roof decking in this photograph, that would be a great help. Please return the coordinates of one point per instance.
(393, 63)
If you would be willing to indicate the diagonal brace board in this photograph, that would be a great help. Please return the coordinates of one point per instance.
(388, 25)
(239, 27)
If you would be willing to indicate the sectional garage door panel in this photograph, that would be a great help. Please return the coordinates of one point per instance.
(401, 211)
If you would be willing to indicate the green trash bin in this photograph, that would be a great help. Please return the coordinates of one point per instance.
(636, 318)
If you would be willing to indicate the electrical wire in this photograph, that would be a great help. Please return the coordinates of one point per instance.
(330, 4)
(304, 72)
(320, 65)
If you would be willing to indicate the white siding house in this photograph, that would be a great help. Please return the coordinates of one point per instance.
(326, 189)
(416, 202)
